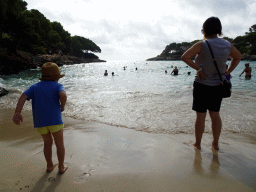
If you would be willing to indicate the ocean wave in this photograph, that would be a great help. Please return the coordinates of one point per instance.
(146, 100)
(158, 113)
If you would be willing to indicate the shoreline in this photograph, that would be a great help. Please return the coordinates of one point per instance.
(108, 158)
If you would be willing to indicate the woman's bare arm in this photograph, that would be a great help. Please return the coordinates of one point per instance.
(236, 57)
(189, 54)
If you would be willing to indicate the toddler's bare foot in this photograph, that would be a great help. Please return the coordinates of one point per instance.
(215, 147)
(50, 168)
(62, 169)
(197, 146)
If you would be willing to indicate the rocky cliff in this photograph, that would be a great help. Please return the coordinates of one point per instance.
(23, 61)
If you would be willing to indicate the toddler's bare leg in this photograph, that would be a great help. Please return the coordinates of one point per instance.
(199, 129)
(48, 151)
(59, 142)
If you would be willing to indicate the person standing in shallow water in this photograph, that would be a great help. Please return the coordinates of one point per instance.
(247, 70)
(206, 92)
(175, 71)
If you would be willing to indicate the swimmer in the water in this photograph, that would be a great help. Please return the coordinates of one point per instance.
(175, 71)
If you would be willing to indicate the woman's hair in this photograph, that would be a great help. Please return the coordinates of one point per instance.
(212, 26)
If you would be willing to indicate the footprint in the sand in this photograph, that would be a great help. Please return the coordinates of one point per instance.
(104, 158)
(51, 179)
(82, 178)
(224, 143)
(190, 143)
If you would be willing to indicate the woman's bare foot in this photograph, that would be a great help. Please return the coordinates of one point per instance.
(215, 147)
(62, 169)
(197, 146)
(50, 168)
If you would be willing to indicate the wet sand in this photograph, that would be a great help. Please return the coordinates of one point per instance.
(106, 158)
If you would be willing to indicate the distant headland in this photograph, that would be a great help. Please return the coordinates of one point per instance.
(178, 58)
(28, 39)
(245, 44)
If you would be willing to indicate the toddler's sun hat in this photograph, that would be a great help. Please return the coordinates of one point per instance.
(50, 72)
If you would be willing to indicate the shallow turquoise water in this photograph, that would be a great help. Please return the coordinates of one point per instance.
(146, 99)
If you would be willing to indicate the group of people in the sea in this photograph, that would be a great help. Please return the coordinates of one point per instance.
(175, 71)
(125, 67)
(247, 70)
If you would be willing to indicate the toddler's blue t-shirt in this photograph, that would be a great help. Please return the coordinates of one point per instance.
(45, 103)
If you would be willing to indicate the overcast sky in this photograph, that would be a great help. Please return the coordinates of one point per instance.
(140, 29)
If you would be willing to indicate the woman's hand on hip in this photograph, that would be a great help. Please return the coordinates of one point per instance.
(201, 75)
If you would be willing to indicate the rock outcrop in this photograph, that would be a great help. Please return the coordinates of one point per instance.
(23, 61)
(3, 92)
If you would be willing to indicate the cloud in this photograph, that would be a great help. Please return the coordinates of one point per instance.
(133, 29)
(102, 39)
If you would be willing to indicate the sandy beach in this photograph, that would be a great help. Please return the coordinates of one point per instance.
(107, 158)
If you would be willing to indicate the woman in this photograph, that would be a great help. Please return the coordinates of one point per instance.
(206, 90)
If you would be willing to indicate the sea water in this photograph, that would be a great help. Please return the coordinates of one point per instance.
(146, 99)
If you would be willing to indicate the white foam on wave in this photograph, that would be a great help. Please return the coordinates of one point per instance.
(159, 113)
(156, 113)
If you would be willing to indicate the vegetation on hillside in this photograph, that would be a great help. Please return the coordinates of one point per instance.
(30, 31)
(245, 44)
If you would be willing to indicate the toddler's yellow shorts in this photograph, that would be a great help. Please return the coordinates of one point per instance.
(52, 129)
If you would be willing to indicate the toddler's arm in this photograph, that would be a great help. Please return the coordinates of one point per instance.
(17, 117)
(63, 100)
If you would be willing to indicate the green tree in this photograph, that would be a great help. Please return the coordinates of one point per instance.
(250, 37)
(228, 39)
(44, 24)
(41, 27)
(30, 38)
(65, 37)
(54, 38)
(31, 31)
(13, 22)
(81, 46)
(20, 29)
(194, 42)
(168, 49)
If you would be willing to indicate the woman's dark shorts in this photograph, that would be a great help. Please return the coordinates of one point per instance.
(206, 98)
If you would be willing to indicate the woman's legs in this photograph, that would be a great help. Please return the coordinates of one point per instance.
(199, 128)
(48, 151)
(59, 142)
(216, 128)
